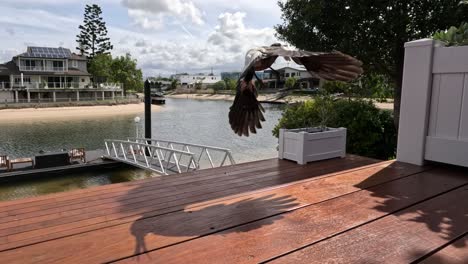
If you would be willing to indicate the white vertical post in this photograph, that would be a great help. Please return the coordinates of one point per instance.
(415, 101)
(54, 97)
(16, 96)
(103, 96)
(29, 96)
(22, 81)
(113, 95)
(77, 96)
(281, 138)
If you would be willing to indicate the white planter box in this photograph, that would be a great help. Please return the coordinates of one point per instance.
(305, 145)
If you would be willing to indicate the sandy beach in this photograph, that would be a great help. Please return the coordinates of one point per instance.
(228, 97)
(262, 98)
(65, 113)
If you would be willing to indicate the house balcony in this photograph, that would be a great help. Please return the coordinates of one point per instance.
(42, 68)
(60, 86)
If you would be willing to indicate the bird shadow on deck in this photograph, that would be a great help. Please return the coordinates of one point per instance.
(434, 205)
(212, 206)
(156, 232)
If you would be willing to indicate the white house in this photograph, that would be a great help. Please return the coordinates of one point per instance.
(305, 79)
(44, 74)
(189, 80)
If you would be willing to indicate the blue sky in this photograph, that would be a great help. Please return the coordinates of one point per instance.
(165, 36)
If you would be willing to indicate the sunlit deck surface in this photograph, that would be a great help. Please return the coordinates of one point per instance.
(352, 210)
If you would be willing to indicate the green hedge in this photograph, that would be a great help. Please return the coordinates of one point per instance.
(371, 131)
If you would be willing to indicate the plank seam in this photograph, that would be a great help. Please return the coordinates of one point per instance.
(434, 251)
(363, 224)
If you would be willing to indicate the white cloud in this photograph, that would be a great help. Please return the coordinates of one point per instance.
(151, 14)
(221, 42)
(223, 49)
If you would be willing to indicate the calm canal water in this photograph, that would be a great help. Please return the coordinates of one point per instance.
(194, 121)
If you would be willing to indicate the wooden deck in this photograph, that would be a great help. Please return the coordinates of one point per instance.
(353, 210)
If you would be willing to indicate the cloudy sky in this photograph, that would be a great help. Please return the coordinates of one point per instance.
(165, 36)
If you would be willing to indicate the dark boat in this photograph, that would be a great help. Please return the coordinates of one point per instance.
(157, 98)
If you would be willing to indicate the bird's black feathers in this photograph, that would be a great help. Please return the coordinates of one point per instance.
(246, 113)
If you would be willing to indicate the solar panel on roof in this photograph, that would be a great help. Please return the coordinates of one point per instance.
(45, 52)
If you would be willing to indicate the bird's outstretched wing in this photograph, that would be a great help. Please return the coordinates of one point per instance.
(246, 113)
(332, 66)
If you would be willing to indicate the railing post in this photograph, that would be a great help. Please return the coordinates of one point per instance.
(107, 148)
(209, 158)
(115, 151)
(148, 133)
(123, 151)
(415, 101)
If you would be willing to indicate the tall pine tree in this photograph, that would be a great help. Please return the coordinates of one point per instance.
(93, 39)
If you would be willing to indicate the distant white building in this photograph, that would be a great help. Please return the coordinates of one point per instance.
(277, 78)
(190, 80)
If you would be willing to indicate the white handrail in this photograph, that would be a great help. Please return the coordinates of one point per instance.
(143, 156)
(203, 151)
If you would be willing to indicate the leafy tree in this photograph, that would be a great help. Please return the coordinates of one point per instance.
(199, 84)
(231, 84)
(290, 82)
(221, 85)
(454, 36)
(121, 69)
(100, 67)
(93, 39)
(374, 31)
(124, 70)
(174, 84)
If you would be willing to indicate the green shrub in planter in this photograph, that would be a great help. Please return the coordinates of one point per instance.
(371, 131)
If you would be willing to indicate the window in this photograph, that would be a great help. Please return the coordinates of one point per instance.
(57, 64)
(74, 63)
(25, 80)
(82, 80)
(298, 73)
(287, 74)
(30, 63)
(293, 74)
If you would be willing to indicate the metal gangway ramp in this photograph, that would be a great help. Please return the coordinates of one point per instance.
(167, 157)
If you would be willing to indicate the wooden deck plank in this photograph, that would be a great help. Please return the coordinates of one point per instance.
(161, 183)
(151, 188)
(123, 212)
(262, 240)
(157, 185)
(402, 237)
(200, 220)
(165, 196)
(454, 253)
(57, 197)
(105, 199)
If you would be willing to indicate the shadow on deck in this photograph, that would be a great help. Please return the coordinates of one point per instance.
(350, 210)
